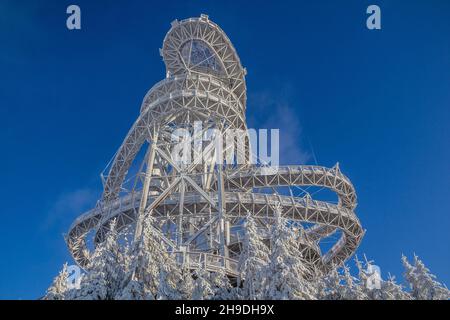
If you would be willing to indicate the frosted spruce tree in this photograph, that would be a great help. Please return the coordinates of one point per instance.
(175, 282)
(59, 287)
(106, 270)
(221, 286)
(285, 274)
(167, 288)
(339, 284)
(387, 290)
(352, 288)
(329, 287)
(149, 272)
(185, 283)
(149, 260)
(202, 288)
(391, 290)
(422, 283)
(253, 261)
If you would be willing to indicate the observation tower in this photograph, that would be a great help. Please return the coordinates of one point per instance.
(199, 206)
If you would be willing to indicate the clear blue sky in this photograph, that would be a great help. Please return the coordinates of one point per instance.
(376, 101)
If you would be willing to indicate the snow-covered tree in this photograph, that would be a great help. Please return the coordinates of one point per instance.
(253, 261)
(221, 286)
(59, 287)
(106, 270)
(423, 284)
(175, 281)
(329, 287)
(339, 284)
(133, 290)
(277, 271)
(167, 288)
(202, 289)
(185, 283)
(391, 290)
(286, 273)
(371, 292)
(352, 286)
(149, 259)
(151, 275)
(386, 289)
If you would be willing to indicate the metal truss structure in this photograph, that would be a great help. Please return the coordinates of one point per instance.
(198, 208)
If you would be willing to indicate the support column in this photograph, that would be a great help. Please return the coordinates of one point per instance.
(145, 189)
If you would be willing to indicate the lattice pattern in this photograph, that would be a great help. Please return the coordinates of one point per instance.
(198, 208)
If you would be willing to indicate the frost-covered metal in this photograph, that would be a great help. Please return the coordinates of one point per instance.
(199, 208)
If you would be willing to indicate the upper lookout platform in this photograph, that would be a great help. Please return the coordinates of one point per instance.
(198, 45)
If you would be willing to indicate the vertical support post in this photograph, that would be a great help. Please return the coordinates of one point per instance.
(145, 188)
(221, 206)
(180, 215)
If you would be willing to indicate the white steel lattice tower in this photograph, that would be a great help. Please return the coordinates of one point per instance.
(198, 207)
